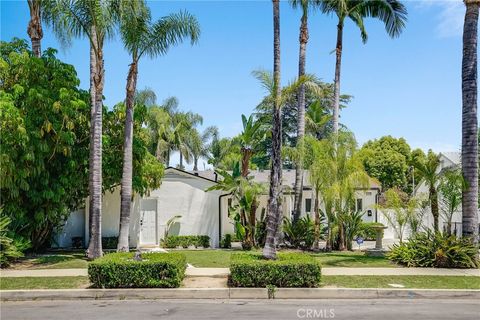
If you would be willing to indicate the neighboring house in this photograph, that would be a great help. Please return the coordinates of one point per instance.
(202, 213)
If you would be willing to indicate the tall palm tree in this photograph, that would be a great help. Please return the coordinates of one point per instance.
(392, 12)
(303, 39)
(470, 122)
(429, 168)
(34, 30)
(95, 20)
(249, 140)
(142, 37)
(274, 205)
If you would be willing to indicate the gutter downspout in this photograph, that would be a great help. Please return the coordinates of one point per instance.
(220, 216)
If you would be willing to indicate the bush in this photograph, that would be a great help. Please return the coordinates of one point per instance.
(11, 246)
(429, 249)
(109, 242)
(226, 242)
(300, 234)
(186, 241)
(288, 270)
(120, 270)
(367, 231)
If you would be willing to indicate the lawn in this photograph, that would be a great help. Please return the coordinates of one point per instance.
(417, 282)
(44, 283)
(221, 259)
(63, 260)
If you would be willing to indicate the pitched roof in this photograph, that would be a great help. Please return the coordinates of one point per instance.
(453, 157)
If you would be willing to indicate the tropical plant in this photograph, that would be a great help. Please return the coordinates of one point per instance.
(142, 37)
(391, 12)
(274, 205)
(199, 145)
(352, 222)
(169, 225)
(470, 159)
(429, 168)
(434, 249)
(450, 189)
(299, 234)
(398, 209)
(12, 247)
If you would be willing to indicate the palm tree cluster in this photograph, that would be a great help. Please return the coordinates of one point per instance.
(99, 21)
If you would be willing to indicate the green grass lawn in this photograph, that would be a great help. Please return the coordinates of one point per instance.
(43, 283)
(61, 260)
(417, 282)
(221, 259)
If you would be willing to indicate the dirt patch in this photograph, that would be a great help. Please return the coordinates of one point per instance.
(204, 282)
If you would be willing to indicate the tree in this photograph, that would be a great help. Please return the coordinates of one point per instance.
(198, 143)
(249, 140)
(34, 30)
(392, 12)
(470, 122)
(95, 20)
(142, 37)
(44, 138)
(303, 40)
(430, 171)
(274, 205)
(450, 189)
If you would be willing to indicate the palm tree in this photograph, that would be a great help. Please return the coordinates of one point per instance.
(470, 122)
(249, 140)
(95, 20)
(198, 143)
(184, 123)
(140, 38)
(429, 170)
(34, 29)
(303, 39)
(274, 205)
(392, 12)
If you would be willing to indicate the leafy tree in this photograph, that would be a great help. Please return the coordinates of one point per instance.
(391, 12)
(142, 37)
(44, 138)
(470, 148)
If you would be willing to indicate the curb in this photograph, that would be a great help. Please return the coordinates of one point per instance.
(235, 293)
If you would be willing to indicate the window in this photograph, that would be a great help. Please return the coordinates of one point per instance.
(359, 205)
(308, 205)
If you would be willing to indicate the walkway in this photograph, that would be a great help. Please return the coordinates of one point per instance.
(223, 272)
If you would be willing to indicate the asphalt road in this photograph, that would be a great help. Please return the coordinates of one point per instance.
(244, 309)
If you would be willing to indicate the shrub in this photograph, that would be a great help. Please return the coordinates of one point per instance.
(429, 249)
(120, 270)
(186, 241)
(109, 242)
(300, 234)
(226, 242)
(367, 231)
(288, 270)
(12, 246)
(77, 242)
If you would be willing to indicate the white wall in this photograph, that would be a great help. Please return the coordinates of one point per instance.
(73, 227)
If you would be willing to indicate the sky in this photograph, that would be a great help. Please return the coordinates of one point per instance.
(405, 87)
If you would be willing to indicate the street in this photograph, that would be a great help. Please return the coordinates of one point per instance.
(242, 309)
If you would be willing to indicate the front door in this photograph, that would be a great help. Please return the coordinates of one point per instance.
(148, 222)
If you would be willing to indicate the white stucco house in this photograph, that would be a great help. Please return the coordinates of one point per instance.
(202, 213)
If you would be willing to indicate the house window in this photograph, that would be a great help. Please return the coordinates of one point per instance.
(359, 205)
(308, 205)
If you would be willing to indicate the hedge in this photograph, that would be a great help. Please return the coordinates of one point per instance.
(119, 270)
(288, 270)
(186, 241)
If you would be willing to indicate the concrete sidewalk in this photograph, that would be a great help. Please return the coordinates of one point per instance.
(223, 272)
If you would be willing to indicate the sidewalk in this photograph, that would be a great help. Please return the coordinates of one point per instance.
(223, 272)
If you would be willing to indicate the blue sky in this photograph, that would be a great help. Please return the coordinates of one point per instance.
(406, 87)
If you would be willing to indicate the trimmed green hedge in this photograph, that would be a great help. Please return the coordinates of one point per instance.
(156, 270)
(288, 270)
(186, 241)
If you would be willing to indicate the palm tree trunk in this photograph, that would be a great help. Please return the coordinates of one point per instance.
(303, 38)
(434, 207)
(274, 212)
(127, 173)
(34, 28)
(181, 160)
(93, 63)
(316, 210)
(95, 245)
(195, 163)
(338, 65)
(246, 155)
(469, 123)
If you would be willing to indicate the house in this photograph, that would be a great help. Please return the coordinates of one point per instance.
(184, 194)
